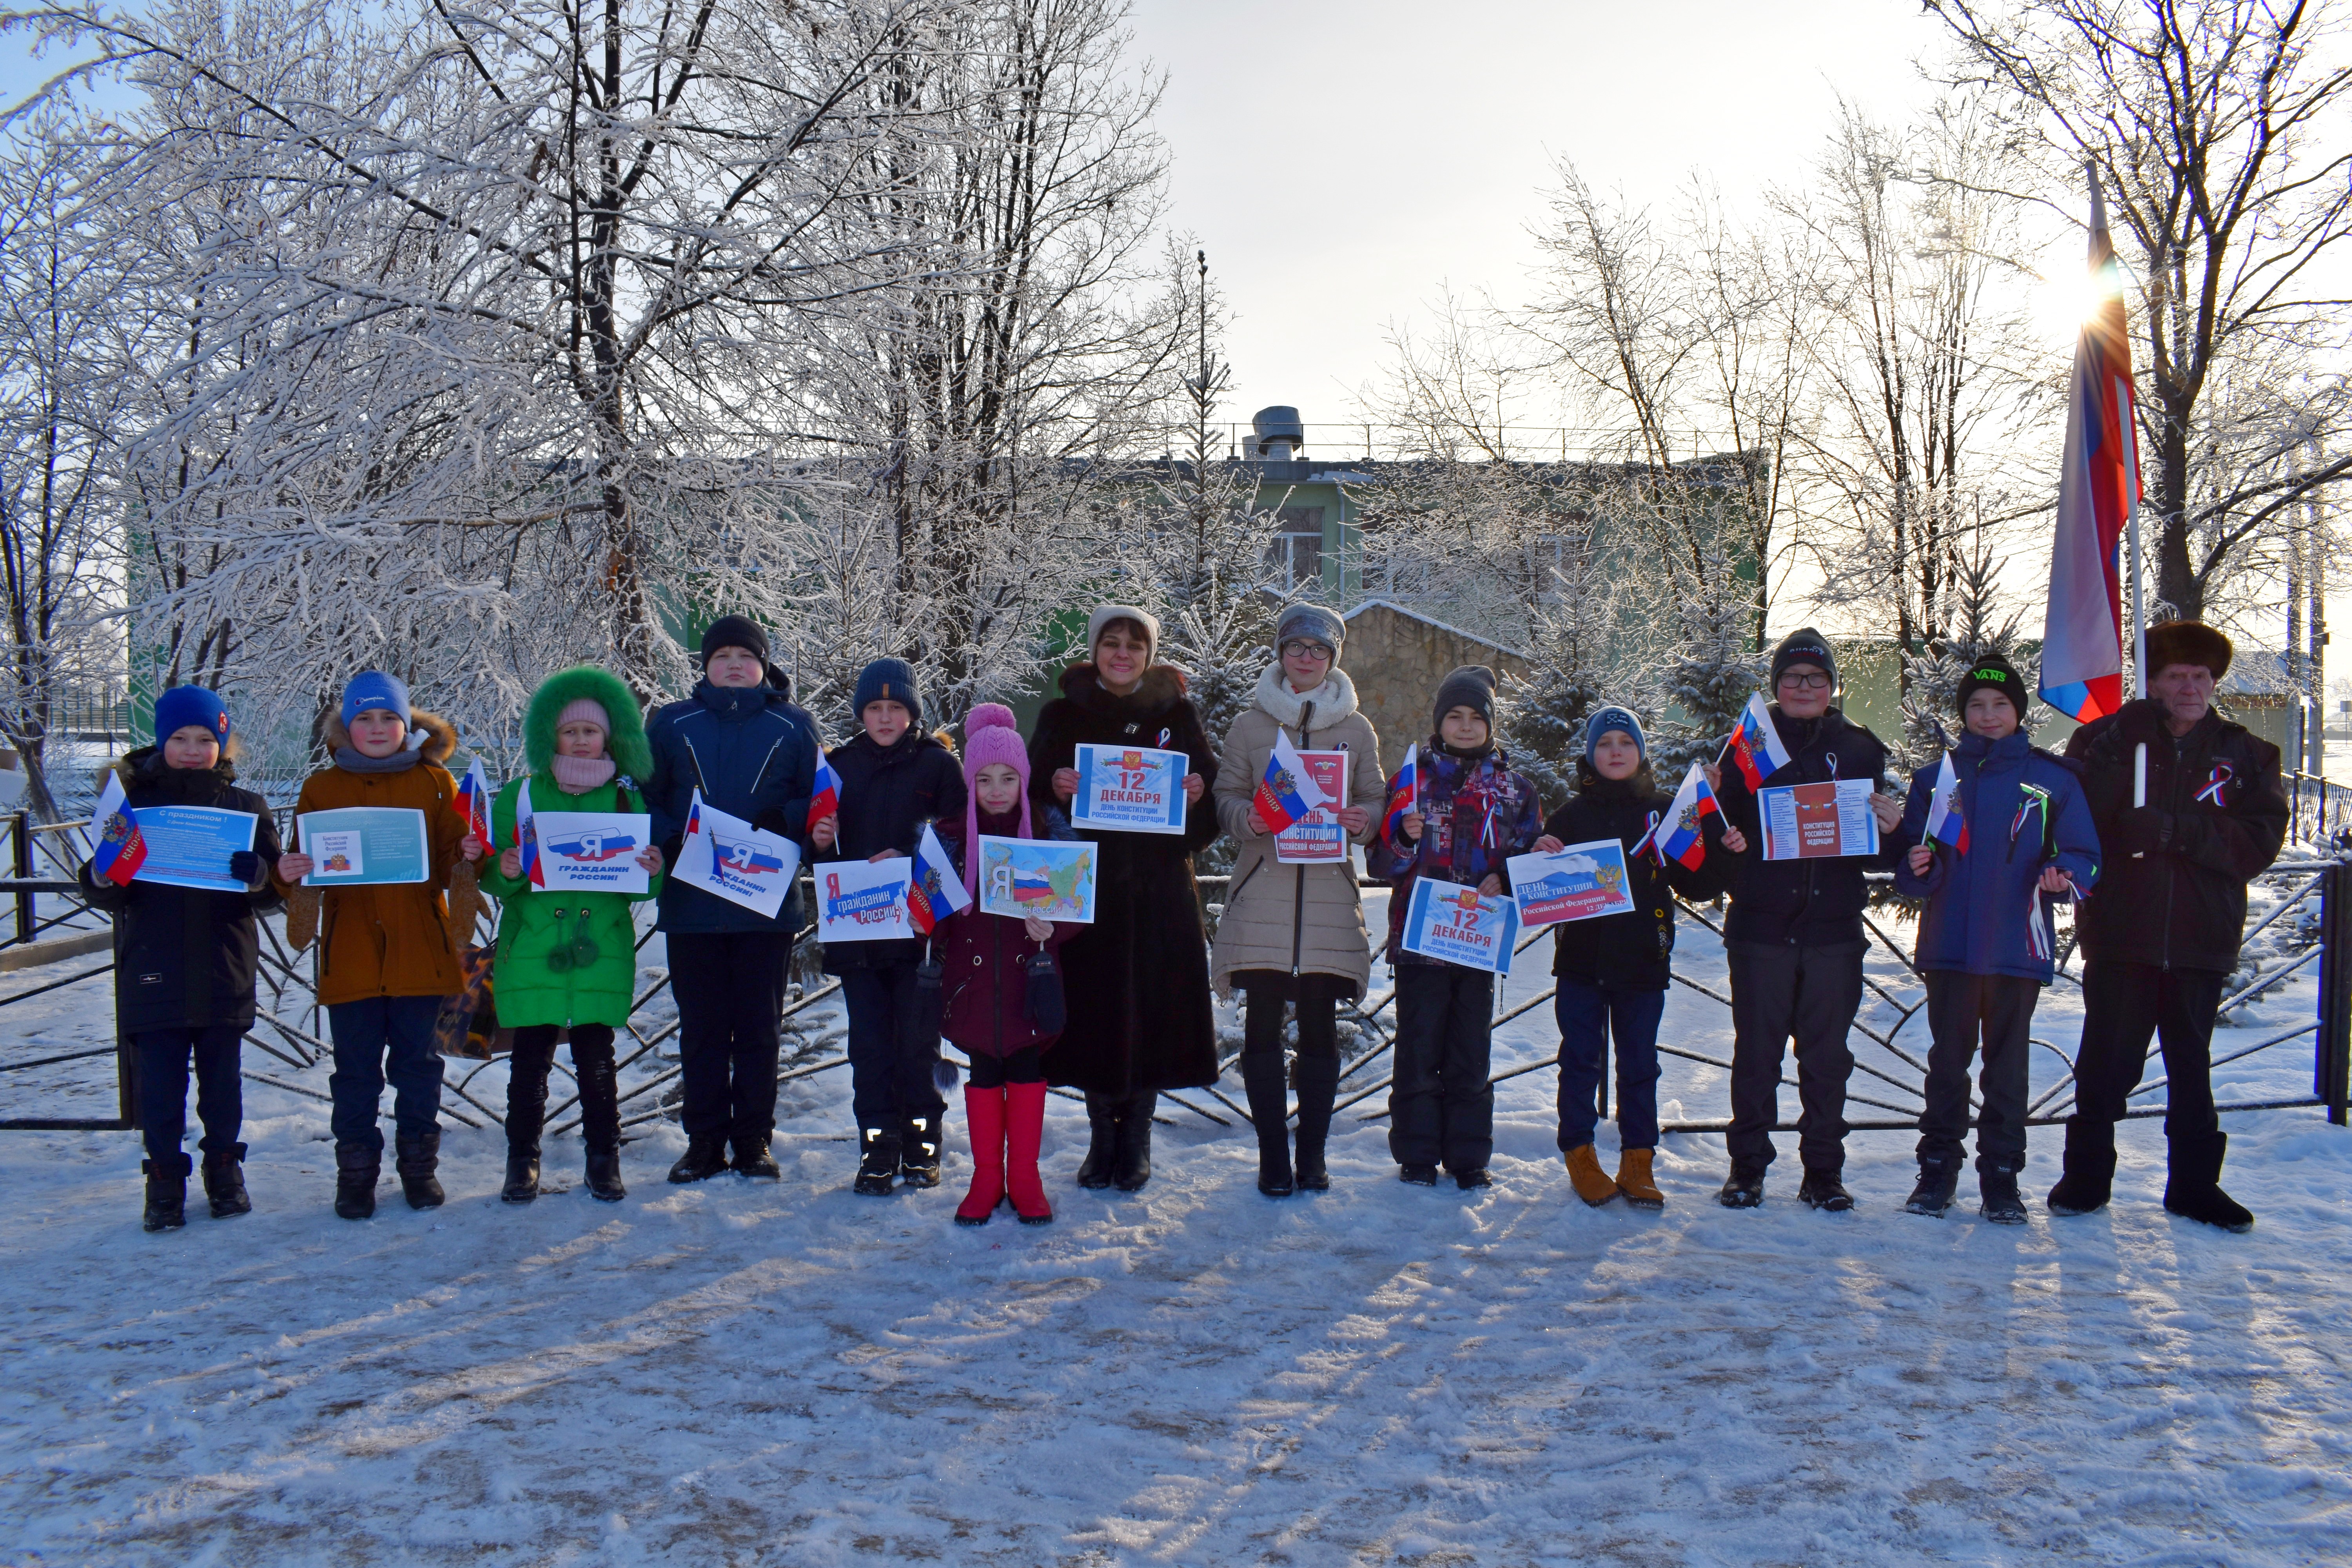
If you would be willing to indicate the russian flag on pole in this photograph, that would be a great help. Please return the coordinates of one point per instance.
(121, 848)
(825, 799)
(1755, 744)
(1404, 796)
(2099, 483)
(1287, 792)
(1678, 835)
(473, 801)
(1946, 826)
(935, 892)
(527, 837)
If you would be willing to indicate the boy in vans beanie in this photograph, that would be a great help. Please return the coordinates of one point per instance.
(1993, 673)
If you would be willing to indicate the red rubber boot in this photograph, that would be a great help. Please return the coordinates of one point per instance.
(1025, 1131)
(983, 1116)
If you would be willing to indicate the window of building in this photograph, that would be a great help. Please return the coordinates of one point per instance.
(1296, 552)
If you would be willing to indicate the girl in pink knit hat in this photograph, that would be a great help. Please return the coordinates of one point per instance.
(986, 971)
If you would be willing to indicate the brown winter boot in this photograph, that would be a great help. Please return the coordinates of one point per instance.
(1633, 1180)
(1584, 1172)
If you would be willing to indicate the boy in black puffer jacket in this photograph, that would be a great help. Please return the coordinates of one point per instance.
(895, 781)
(186, 958)
(1611, 972)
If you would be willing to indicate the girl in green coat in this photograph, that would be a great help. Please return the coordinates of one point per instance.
(568, 960)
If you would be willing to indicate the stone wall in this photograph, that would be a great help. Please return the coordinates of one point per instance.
(1396, 660)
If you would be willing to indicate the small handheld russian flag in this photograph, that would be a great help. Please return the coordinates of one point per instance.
(1287, 792)
(1946, 826)
(935, 891)
(1404, 796)
(1755, 744)
(121, 848)
(527, 837)
(824, 800)
(473, 801)
(1677, 836)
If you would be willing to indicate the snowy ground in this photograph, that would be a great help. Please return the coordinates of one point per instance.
(739, 1372)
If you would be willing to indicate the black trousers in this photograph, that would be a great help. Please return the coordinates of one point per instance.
(729, 987)
(1780, 992)
(1318, 998)
(892, 1054)
(2123, 1004)
(163, 1057)
(1441, 1107)
(1027, 1065)
(592, 1067)
(1960, 1007)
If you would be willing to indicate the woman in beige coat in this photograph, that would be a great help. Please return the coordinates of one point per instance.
(1295, 933)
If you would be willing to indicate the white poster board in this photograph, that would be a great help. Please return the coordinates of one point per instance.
(864, 901)
(593, 851)
(727, 856)
(1576, 883)
(1317, 839)
(1818, 821)
(1129, 789)
(1461, 925)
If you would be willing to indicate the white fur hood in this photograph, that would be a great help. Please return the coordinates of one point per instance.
(1333, 700)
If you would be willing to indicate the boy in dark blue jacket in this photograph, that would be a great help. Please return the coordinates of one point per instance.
(739, 739)
(896, 780)
(1984, 938)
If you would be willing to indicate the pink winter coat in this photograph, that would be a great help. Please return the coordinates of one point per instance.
(980, 967)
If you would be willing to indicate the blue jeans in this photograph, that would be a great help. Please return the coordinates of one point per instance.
(163, 1055)
(1589, 1017)
(384, 1039)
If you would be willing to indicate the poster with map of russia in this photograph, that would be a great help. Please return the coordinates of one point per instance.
(1054, 881)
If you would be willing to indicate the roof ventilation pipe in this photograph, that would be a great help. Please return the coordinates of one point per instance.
(1279, 436)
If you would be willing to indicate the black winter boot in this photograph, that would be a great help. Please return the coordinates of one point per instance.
(2193, 1189)
(1134, 1166)
(1824, 1191)
(1743, 1189)
(224, 1182)
(1996, 1186)
(356, 1169)
(1102, 1141)
(1269, 1108)
(919, 1150)
(416, 1160)
(1318, 1086)
(525, 1114)
(1938, 1181)
(2086, 1178)
(753, 1159)
(1417, 1176)
(523, 1174)
(604, 1176)
(705, 1157)
(167, 1193)
(877, 1164)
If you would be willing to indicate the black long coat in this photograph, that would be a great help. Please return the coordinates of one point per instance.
(1137, 980)
(184, 957)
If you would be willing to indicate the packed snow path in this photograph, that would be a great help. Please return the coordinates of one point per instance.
(739, 1372)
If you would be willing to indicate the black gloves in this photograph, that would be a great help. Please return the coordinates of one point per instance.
(2147, 830)
(245, 867)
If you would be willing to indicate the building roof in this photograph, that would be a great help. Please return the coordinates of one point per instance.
(1398, 609)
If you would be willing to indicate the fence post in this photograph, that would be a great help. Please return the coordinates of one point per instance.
(20, 836)
(2332, 1071)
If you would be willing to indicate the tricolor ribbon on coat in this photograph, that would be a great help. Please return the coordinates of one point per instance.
(2215, 783)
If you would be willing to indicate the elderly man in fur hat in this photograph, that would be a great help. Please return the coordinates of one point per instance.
(2160, 934)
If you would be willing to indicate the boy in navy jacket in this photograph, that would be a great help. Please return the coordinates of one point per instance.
(1984, 938)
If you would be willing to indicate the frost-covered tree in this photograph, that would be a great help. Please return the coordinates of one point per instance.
(1932, 677)
(1572, 667)
(1711, 671)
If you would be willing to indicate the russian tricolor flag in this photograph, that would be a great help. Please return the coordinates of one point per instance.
(473, 802)
(1404, 796)
(935, 891)
(527, 837)
(1755, 744)
(2098, 484)
(1946, 826)
(1287, 792)
(825, 799)
(1678, 835)
(121, 848)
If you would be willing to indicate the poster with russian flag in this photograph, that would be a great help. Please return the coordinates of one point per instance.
(1755, 745)
(121, 848)
(936, 891)
(728, 857)
(2098, 484)
(1946, 826)
(1287, 791)
(1051, 878)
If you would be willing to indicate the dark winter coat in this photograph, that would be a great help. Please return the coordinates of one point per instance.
(1977, 921)
(1476, 814)
(888, 797)
(1635, 950)
(980, 956)
(1137, 980)
(184, 957)
(1805, 903)
(2174, 892)
(754, 754)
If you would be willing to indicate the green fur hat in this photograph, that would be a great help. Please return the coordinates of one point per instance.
(626, 743)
